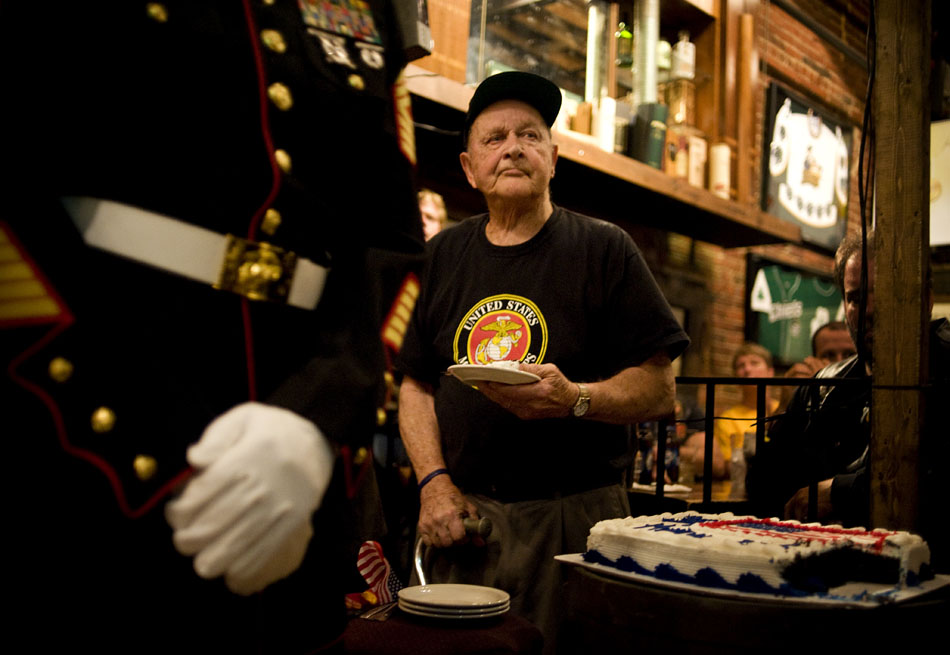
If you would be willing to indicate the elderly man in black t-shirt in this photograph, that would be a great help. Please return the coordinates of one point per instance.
(570, 299)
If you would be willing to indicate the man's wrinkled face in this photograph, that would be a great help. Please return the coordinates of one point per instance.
(834, 345)
(510, 154)
(852, 300)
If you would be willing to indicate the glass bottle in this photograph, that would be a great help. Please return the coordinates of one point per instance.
(624, 43)
(684, 58)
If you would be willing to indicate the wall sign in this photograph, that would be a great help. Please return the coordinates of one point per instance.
(806, 168)
(786, 305)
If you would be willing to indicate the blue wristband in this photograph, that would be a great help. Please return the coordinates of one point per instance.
(424, 481)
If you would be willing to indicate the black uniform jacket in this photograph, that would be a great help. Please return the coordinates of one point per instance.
(279, 121)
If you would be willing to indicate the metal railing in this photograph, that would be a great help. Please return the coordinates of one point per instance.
(761, 420)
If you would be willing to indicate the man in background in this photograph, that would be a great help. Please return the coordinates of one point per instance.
(434, 214)
(825, 432)
(830, 344)
(735, 428)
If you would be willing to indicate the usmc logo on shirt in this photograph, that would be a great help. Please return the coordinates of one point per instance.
(501, 328)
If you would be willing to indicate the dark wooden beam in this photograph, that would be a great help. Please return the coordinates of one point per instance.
(746, 125)
(901, 312)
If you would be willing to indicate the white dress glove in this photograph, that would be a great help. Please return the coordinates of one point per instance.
(261, 473)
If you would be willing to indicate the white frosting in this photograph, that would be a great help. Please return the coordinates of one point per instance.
(732, 546)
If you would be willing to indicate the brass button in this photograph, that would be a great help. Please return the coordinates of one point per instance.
(271, 221)
(274, 41)
(280, 95)
(145, 466)
(390, 381)
(60, 369)
(360, 456)
(157, 12)
(380, 416)
(356, 82)
(283, 160)
(103, 420)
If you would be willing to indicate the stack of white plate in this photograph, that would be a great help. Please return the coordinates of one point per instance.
(454, 601)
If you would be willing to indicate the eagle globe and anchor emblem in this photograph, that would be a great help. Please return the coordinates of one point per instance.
(498, 347)
(501, 328)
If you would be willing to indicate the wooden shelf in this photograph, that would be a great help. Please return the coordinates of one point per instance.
(691, 15)
(588, 180)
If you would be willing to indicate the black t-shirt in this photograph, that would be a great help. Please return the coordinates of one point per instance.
(577, 295)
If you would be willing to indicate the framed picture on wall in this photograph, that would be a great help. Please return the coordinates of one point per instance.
(785, 305)
(806, 167)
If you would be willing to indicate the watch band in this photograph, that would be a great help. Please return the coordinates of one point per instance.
(583, 401)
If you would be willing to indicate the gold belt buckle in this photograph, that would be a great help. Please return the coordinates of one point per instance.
(256, 270)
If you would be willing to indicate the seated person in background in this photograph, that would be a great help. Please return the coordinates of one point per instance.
(693, 451)
(750, 361)
(693, 446)
(825, 432)
(434, 214)
(830, 344)
(684, 435)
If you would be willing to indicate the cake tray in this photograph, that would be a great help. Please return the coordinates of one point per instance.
(852, 594)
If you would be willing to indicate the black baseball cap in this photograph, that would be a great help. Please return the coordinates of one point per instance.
(531, 89)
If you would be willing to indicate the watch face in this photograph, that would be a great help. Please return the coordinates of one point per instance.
(581, 407)
(583, 401)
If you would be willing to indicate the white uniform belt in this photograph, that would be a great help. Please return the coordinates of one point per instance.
(257, 270)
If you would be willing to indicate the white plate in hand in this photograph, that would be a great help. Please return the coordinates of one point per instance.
(469, 373)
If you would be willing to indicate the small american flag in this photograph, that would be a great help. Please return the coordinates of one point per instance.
(376, 571)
